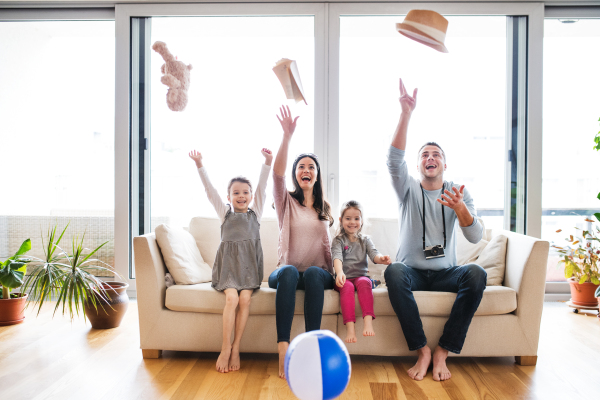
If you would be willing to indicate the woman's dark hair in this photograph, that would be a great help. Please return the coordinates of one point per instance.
(320, 205)
(238, 179)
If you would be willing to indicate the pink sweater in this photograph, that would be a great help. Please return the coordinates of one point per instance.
(304, 240)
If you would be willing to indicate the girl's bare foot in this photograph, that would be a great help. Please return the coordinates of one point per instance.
(282, 349)
(234, 359)
(350, 333)
(223, 360)
(419, 371)
(368, 328)
(440, 370)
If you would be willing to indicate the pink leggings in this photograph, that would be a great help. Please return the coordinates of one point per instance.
(365, 298)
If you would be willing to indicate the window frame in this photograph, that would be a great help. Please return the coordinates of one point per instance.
(531, 171)
(127, 185)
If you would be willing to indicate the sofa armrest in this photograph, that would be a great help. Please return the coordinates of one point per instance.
(526, 263)
(151, 288)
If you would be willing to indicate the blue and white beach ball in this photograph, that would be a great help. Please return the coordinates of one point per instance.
(317, 366)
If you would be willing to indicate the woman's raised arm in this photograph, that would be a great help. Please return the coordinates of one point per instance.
(289, 126)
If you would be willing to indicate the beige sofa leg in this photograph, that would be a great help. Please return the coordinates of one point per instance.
(526, 360)
(149, 353)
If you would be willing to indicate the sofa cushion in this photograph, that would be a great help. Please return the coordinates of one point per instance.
(496, 300)
(203, 298)
(181, 255)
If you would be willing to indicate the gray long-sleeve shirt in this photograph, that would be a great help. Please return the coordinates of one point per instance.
(410, 241)
(354, 255)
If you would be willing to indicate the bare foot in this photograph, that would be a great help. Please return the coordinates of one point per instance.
(234, 359)
(419, 371)
(368, 328)
(350, 333)
(440, 370)
(282, 349)
(223, 360)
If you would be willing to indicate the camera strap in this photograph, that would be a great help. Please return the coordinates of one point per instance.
(423, 218)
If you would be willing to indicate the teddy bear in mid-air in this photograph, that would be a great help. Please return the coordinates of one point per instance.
(176, 75)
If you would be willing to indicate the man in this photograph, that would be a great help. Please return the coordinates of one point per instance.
(426, 259)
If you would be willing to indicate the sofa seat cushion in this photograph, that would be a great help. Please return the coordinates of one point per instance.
(203, 298)
(496, 300)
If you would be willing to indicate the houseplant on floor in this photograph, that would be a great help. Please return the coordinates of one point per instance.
(580, 260)
(12, 271)
(70, 279)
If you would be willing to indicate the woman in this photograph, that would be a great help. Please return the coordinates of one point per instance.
(304, 243)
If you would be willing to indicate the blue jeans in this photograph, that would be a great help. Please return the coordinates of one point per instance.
(468, 281)
(286, 279)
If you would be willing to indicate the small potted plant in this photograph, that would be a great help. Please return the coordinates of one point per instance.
(580, 260)
(12, 271)
(70, 279)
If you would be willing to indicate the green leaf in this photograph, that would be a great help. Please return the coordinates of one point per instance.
(10, 276)
(569, 269)
(596, 281)
(583, 279)
(25, 247)
(597, 215)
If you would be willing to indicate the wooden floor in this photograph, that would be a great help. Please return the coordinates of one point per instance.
(45, 358)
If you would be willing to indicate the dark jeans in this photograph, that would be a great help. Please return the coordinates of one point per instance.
(468, 281)
(286, 279)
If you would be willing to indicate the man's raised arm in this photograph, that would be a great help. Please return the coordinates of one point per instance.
(408, 104)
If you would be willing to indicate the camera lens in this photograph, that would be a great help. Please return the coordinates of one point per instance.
(434, 251)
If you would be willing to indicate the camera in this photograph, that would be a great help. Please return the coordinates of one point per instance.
(436, 251)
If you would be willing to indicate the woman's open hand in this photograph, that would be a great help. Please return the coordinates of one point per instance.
(287, 123)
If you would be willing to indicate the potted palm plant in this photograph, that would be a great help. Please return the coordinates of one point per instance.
(581, 263)
(12, 271)
(70, 280)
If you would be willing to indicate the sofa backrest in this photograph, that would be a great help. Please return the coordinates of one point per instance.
(383, 232)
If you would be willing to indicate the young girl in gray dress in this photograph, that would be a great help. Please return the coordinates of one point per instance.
(238, 267)
(349, 251)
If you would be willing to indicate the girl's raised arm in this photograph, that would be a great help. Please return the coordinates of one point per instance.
(213, 196)
(289, 126)
(260, 194)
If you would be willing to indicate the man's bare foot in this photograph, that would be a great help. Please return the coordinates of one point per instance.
(234, 359)
(350, 333)
(368, 328)
(419, 371)
(223, 360)
(282, 349)
(440, 370)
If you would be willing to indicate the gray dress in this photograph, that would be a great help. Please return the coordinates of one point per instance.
(239, 260)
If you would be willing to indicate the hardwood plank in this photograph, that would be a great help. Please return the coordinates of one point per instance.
(384, 391)
(409, 387)
(257, 375)
(359, 387)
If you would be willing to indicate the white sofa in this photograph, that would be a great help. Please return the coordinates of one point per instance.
(189, 317)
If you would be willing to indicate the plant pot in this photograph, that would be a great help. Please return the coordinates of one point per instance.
(582, 294)
(12, 310)
(112, 314)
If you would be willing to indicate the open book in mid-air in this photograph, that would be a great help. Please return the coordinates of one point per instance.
(287, 73)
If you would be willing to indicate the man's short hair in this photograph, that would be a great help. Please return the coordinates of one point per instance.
(432, 144)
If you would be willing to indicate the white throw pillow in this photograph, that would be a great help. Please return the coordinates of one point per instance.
(467, 252)
(181, 255)
(493, 260)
